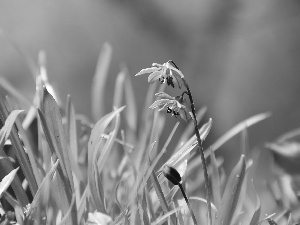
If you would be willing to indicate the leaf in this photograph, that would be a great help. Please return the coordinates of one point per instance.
(9, 123)
(231, 194)
(6, 181)
(99, 82)
(55, 134)
(95, 141)
(230, 134)
(10, 130)
(215, 180)
(238, 128)
(119, 86)
(183, 153)
(256, 214)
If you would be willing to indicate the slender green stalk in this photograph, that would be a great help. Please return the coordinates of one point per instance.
(200, 147)
(188, 203)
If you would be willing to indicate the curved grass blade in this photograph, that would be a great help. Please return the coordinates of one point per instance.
(256, 214)
(55, 135)
(238, 128)
(215, 180)
(230, 134)
(6, 181)
(5, 168)
(231, 194)
(99, 82)
(10, 130)
(95, 141)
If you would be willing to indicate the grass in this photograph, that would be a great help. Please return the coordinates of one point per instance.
(57, 167)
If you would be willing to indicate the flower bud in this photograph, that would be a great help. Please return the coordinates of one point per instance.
(171, 174)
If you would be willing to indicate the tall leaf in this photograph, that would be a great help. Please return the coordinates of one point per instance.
(231, 194)
(95, 141)
(99, 82)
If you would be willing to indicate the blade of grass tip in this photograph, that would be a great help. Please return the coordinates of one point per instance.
(14, 92)
(231, 193)
(190, 128)
(119, 86)
(238, 128)
(50, 110)
(244, 142)
(10, 129)
(95, 141)
(215, 180)
(230, 134)
(6, 181)
(29, 61)
(108, 145)
(5, 168)
(131, 110)
(99, 81)
(257, 211)
(29, 146)
(72, 139)
(288, 135)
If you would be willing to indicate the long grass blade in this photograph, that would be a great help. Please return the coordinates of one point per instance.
(231, 194)
(256, 214)
(95, 141)
(6, 181)
(17, 146)
(53, 122)
(99, 82)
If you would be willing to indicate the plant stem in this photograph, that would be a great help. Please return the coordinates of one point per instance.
(200, 147)
(188, 203)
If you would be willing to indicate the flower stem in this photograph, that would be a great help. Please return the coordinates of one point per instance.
(188, 203)
(200, 147)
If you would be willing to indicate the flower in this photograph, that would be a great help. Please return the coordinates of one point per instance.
(172, 174)
(173, 105)
(166, 72)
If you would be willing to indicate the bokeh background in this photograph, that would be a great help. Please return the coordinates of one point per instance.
(241, 57)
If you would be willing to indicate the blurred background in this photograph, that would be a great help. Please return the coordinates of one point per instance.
(240, 57)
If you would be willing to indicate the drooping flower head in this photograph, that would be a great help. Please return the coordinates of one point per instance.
(173, 105)
(167, 72)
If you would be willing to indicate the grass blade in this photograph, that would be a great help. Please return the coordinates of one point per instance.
(6, 181)
(56, 135)
(95, 141)
(256, 214)
(99, 82)
(215, 180)
(231, 194)
(17, 145)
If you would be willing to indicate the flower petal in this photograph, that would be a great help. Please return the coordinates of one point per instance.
(160, 102)
(164, 95)
(147, 70)
(154, 76)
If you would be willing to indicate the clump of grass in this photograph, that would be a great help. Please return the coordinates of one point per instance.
(75, 171)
